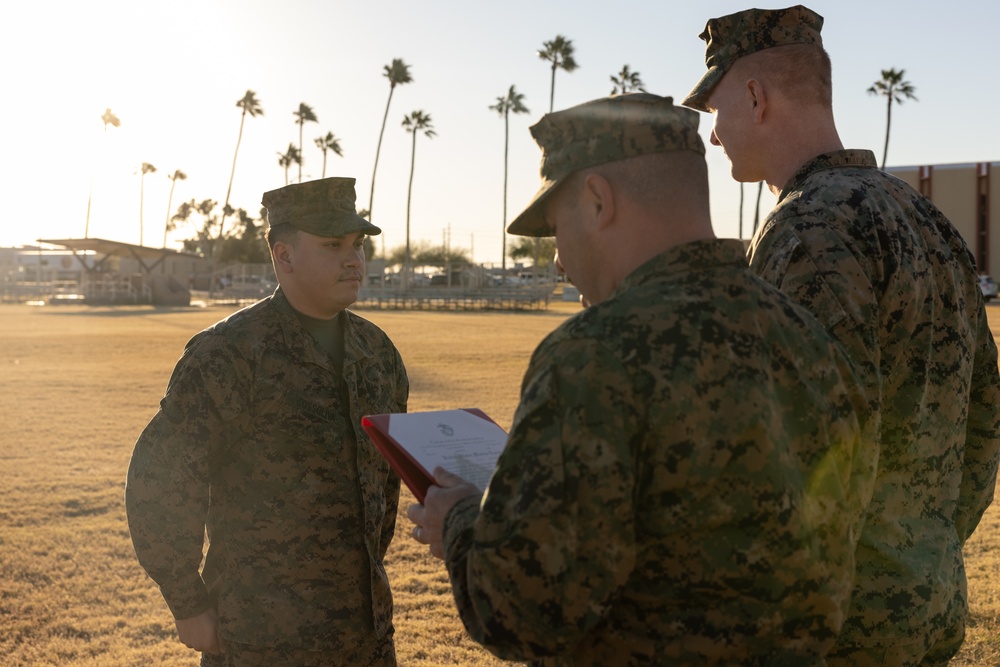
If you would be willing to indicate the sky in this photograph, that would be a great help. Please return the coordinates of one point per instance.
(172, 72)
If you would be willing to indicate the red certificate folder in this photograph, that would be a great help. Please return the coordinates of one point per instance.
(413, 454)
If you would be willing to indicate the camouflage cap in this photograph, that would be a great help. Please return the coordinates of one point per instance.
(604, 130)
(731, 37)
(325, 208)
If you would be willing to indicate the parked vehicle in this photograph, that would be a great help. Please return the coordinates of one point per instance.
(987, 286)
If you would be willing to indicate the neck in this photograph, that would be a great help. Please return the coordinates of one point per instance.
(661, 234)
(797, 141)
(302, 306)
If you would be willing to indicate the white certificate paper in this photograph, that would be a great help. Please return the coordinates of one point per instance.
(457, 440)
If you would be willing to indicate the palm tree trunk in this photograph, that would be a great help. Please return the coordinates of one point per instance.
(324, 164)
(378, 149)
(888, 124)
(232, 174)
(301, 125)
(90, 196)
(170, 201)
(142, 188)
(552, 88)
(503, 229)
(756, 213)
(409, 195)
(86, 227)
(741, 211)
(552, 99)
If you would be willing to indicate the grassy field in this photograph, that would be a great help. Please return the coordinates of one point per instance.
(78, 384)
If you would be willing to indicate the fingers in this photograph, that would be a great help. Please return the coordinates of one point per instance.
(416, 513)
(446, 479)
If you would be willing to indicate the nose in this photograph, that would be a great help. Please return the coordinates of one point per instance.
(356, 258)
(714, 139)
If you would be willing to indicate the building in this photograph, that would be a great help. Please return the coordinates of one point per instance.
(962, 192)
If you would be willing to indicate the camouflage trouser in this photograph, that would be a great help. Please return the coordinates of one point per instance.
(901, 654)
(245, 655)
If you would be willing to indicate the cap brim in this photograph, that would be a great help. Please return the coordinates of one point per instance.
(367, 228)
(531, 221)
(698, 97)
(347, 223)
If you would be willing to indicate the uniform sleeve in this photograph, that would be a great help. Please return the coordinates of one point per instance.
(401, 394)
(982, 442)
(167, 488)
(537, 567)
(819, 271)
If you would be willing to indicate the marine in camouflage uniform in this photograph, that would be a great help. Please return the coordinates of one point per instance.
(258, 440)
(677, 485)
(892, 279)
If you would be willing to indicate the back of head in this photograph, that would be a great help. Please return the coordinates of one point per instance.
(783, 42)
(801, 73)
(614, 133)
(672, 184)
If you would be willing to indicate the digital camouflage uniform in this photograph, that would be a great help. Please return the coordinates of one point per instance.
(675, 489)
(258, 439)
(892, 279)
(681, 484)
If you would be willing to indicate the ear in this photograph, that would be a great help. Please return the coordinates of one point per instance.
(758, 99)
(598, 198)
(282, 254)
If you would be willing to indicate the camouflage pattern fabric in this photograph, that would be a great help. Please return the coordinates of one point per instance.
(600, 131)
(244, 655)
(679, 485)
(891, 278)
(259, 438)
(731, 37)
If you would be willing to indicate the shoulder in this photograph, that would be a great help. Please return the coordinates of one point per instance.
(240, 334)
(367, 331)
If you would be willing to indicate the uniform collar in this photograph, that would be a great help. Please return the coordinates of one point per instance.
(850, 157)
(685, 258)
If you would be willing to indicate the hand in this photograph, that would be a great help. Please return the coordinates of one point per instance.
(201, 632)
(429, 517)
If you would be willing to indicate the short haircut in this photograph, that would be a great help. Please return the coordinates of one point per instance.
(802, 72)
(658, 181)
(284, 233)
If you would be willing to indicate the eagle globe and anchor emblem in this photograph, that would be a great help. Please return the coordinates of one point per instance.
(446, 430)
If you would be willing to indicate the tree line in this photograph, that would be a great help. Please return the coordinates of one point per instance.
(243, 240)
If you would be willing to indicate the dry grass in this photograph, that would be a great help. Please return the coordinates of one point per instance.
(78, 384)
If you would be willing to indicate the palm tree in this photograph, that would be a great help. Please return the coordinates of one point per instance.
(626, 81)
(398, 73)
(288, 158)
(109, 119)
(513, 101)
(250, 106)
(329, 143)
(895, 90)
(146, 169)
(741, 210)
(414, 123)
(304, 114)
(756, 212)
(178, 175)
(559, 52)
